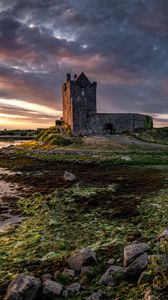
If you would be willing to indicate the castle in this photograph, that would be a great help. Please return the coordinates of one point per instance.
(80, 112)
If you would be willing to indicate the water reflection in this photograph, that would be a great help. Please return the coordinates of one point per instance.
(8, 193)
(11, 142)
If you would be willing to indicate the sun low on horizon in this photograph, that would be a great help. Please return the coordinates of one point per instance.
(122, 45)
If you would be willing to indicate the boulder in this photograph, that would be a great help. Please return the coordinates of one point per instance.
(138, 265)
(95, 296)
(73, 288)
(163, 235)
(132, 251)
(23, 287)
(69, 176)
(107, 277)
(51, 289)
(83, 257)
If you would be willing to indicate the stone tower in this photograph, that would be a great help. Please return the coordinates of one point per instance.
(79, 102)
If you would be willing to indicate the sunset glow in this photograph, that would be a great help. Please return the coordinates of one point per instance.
(33, 113)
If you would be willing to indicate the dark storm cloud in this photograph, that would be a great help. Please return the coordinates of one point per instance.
(29, 86)
(121, 43)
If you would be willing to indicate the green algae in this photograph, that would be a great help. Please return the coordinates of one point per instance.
(54, 225)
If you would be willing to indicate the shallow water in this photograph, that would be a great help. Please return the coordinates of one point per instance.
(8, 192)
(10, 142)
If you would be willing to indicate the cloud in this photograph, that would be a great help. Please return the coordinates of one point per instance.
(126, 48)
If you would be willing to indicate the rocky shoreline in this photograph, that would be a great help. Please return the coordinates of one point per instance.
(136, 258)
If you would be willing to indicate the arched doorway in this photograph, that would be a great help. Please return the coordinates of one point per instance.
(109, 128)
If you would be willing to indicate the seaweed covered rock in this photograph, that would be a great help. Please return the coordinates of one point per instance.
(84, 257)
(23, 287)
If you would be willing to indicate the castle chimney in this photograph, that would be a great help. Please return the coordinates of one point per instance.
(75, 76)
(68, 77)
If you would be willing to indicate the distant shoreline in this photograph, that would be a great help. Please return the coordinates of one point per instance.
(15, 137)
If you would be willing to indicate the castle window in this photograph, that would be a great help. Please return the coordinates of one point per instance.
(83, 92)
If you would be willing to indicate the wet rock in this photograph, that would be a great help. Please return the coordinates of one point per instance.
(164, 234)
(69, 176)
(132, 251)
(73, 288)
(107, 277)
(51, 289)
(95, 296)
(84, 257)
(149, 295)
(23, 287)
(138, 265)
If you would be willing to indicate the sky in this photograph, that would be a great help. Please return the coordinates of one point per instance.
(121, 44)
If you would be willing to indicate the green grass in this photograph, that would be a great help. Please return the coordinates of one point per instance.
(153, 157)
(59, 135)
(155, 135)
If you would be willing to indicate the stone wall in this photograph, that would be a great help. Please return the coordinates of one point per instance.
(103, 124)
(115, 123)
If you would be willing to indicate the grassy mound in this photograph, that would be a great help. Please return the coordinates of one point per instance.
(155, 135)
(59, 135)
